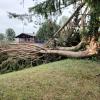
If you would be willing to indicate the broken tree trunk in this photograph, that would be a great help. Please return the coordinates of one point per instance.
(91, 50)
(79, 54)
(73, 48)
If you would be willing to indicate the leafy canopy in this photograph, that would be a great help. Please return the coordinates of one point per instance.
(2, 36)
(52, 6)
(10, 34)
(47, 30)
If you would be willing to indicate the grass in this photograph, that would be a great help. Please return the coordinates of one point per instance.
(62, 80)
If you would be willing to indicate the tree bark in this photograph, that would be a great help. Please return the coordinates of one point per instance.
(73, 48)
(91, 50)
(79, 54)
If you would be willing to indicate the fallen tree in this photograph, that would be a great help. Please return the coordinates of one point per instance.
(79, 54)
(18, 55)
(86, 48)
(91, 50)
(73, 48)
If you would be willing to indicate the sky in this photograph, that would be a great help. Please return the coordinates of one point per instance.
(16, 6)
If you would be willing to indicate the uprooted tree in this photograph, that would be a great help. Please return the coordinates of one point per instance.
(85, 20)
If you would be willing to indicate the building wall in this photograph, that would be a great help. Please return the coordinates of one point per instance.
(26, 40)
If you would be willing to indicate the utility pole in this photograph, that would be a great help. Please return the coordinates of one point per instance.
(23, 25)
(23, 19)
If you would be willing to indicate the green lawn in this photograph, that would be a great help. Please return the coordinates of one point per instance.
(62, 80)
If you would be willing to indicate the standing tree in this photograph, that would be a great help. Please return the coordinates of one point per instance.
(47, 30)
(10, 34)
(2, 36)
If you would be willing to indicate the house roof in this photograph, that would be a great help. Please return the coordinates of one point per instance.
(25, 35)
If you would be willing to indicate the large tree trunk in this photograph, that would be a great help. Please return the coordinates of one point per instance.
(73, 48)
(79, 54)
(91, 50)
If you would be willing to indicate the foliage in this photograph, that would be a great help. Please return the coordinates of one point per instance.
(11, 64)
(2, 36)
(94, 16)
(47, 30)
(71, 39)
(54, 6)
(94, 5)
(14, 64)
(10, 34)
(51, 6)
(3, 57)
(63, 20)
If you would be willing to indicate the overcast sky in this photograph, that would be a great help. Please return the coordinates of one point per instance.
(14, 6)
(17, 7)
